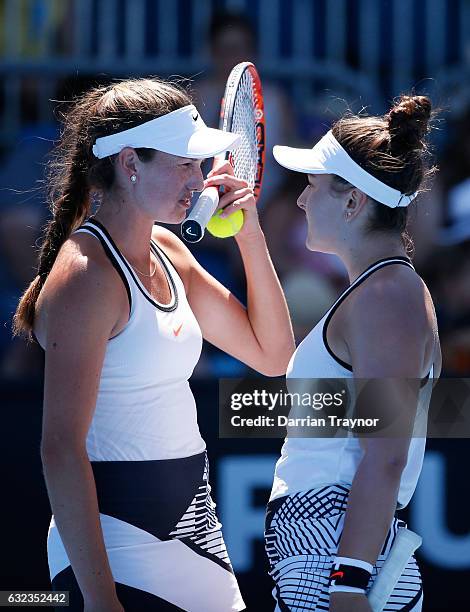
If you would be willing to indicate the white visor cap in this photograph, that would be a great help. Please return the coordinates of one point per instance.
(181, 132)
(329, 157)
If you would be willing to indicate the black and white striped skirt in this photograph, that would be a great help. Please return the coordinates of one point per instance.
(162, 537)
(302, 537)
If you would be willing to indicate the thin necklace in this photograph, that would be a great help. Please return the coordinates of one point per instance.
(147, 275)
(141, 273)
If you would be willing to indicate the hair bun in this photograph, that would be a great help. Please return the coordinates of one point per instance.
(408, 124)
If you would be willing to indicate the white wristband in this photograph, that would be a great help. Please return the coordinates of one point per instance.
(354, 562)
(345, 589)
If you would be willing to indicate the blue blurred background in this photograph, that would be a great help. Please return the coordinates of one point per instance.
(316, 58)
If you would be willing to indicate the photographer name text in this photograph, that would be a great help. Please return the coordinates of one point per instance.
(284, 421)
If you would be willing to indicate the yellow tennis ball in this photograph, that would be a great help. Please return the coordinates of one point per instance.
(225, 227)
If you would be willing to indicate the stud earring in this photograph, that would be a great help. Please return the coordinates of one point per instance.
(133, 178)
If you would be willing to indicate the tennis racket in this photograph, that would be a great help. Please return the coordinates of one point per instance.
(406, 542)
(242, 112)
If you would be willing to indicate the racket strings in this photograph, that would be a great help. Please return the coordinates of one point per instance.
(245, 156)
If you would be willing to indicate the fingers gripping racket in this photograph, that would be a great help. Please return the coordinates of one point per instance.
(242, 112)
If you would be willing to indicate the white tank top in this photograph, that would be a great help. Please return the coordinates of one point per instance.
(308, 463)
(145, 409)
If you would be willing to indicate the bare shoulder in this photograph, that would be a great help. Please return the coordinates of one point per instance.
(391, 325)
(179, 254)
(81, 264)
(394, 294)
(81, 287)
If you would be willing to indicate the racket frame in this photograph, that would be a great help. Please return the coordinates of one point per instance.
(192, 228)
(227, 112)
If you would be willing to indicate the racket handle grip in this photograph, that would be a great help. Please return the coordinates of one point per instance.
(192, 228)
(405, 544)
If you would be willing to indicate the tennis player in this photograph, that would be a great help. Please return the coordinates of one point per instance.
(120, 307)
(330, 521)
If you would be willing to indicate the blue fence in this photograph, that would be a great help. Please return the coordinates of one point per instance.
(363, 50)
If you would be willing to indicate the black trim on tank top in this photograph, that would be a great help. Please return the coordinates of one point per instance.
(168, 274)
(361, 278)
(400, 257)
(163, 255)
(113, 261)
(115, 265)
(147, 296)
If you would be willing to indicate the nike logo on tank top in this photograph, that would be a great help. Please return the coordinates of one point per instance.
(308, 463)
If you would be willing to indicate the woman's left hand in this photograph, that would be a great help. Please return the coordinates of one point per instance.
(237, 196)
(349, 602)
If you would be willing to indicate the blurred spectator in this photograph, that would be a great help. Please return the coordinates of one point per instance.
(42, 26)
(448, 268)
(311, 280)
(23, 212)
(231, 40)
(44, 29)
(457, 228)
(455, 159)
(425, 219)
(449, 279)
(285, 227)
(452, 274)
(308, 296)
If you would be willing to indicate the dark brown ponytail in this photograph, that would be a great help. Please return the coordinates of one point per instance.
(69, 203)
(394, 149)
(73, 171)
(408, 122)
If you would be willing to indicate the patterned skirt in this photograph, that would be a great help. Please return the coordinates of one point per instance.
(162, 537)
(302, 537)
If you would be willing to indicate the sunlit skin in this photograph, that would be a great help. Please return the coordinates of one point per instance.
(162, 189)
(162, 193)
(337, 224)
(324, 214)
